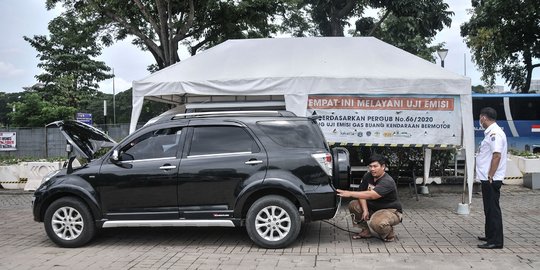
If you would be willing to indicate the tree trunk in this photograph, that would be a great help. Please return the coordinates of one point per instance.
(337, 15)
(378, 24)
(527, 81)
(336, 29)
(529, 68)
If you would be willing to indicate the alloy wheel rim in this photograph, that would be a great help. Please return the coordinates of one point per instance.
(67, 223)
(273, 223)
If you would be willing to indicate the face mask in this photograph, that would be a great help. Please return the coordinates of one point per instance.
(480, 122)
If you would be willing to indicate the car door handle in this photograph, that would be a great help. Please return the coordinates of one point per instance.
(167, 167)
(253, 162)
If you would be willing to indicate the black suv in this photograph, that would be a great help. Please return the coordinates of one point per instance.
(263, 170)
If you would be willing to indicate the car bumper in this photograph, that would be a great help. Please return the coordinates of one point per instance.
(36, 208)
(324, 203)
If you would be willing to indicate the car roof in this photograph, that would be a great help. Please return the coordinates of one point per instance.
(226, 114)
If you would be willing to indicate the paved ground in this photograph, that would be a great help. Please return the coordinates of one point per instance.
(431, 236)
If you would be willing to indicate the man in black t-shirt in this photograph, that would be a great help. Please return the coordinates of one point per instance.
(377, 206)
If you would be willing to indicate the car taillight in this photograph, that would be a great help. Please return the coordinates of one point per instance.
(325, 161)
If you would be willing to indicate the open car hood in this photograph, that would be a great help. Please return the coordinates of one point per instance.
(85, 139)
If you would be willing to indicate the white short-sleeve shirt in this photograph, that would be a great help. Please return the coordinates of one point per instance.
(494, 141)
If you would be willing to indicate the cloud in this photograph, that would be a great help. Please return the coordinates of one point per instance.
(10, 51)
(119, 85)
(8, 70)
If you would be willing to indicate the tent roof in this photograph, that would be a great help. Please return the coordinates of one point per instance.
(311, 65)
(297, 67)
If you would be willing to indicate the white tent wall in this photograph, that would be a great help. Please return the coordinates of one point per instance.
(299, 67)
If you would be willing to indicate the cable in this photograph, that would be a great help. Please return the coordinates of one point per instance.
(338, 208)
(345, 230)
(351, 215)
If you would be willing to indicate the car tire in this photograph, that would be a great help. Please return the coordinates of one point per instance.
(69, 223)
(273, 222)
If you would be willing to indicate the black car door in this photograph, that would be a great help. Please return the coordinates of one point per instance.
(143, 183)
(218, 162)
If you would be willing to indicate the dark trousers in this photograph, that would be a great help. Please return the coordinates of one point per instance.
(491, 192)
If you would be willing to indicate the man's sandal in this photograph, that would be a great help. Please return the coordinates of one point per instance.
(390, 238)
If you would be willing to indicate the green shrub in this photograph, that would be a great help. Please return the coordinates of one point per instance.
(8, 160)
(525, 154)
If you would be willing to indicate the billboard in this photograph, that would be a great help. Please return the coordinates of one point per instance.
(388, 119)
(8, 141)
(84, 117)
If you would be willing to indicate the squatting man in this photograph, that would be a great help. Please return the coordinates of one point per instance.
(377, 208)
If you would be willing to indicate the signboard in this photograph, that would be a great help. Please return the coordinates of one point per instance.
(388, 119)
(8, 141)
(84, 117)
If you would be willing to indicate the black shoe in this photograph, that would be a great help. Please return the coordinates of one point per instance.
(490, 246)
(482, 238)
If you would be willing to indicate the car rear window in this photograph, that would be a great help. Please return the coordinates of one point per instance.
(293, 133)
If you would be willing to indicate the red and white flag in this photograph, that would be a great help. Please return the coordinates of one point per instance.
(535, 128)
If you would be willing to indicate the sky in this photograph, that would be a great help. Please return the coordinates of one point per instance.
(18, 61)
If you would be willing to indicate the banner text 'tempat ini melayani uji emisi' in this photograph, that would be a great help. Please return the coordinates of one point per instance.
(385, 119)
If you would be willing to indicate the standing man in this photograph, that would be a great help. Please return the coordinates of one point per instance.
(490, 170)
(377, 206)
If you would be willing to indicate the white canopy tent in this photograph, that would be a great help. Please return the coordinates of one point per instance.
(298, 67)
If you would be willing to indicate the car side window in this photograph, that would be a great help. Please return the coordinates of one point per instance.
(211, 140)
(161, 143)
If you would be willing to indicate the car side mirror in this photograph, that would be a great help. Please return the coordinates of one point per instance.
(116, 159)
(114, 156)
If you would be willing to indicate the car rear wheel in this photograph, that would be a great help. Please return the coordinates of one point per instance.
(273, 222)
(69, 223)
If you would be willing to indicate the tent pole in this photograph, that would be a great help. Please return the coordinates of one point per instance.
(463, 208)
(464, 185)
(427, 164)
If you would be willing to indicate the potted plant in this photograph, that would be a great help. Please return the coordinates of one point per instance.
(527, 162)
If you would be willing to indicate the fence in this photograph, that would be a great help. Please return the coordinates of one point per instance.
(44, 142)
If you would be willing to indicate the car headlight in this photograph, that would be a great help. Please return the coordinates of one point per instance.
(49, 176)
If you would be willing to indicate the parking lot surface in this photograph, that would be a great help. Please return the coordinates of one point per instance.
(432, 236)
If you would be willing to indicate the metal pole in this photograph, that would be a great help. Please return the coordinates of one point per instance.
(105, 114)
(46, 143)
(464, 185)
(455, 161)
(465, 64)
(113, 99)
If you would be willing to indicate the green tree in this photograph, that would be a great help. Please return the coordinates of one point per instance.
(407, 24)
(33, 111)
(159, 26)
(6, 99)
(66, 56)
(504, 38)
(124, 105)
(123, 108)
(478, 89)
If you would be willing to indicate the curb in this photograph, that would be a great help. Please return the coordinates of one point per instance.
(14, 192)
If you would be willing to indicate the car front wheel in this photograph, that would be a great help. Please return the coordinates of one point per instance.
(69, 223)
(273, 222)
